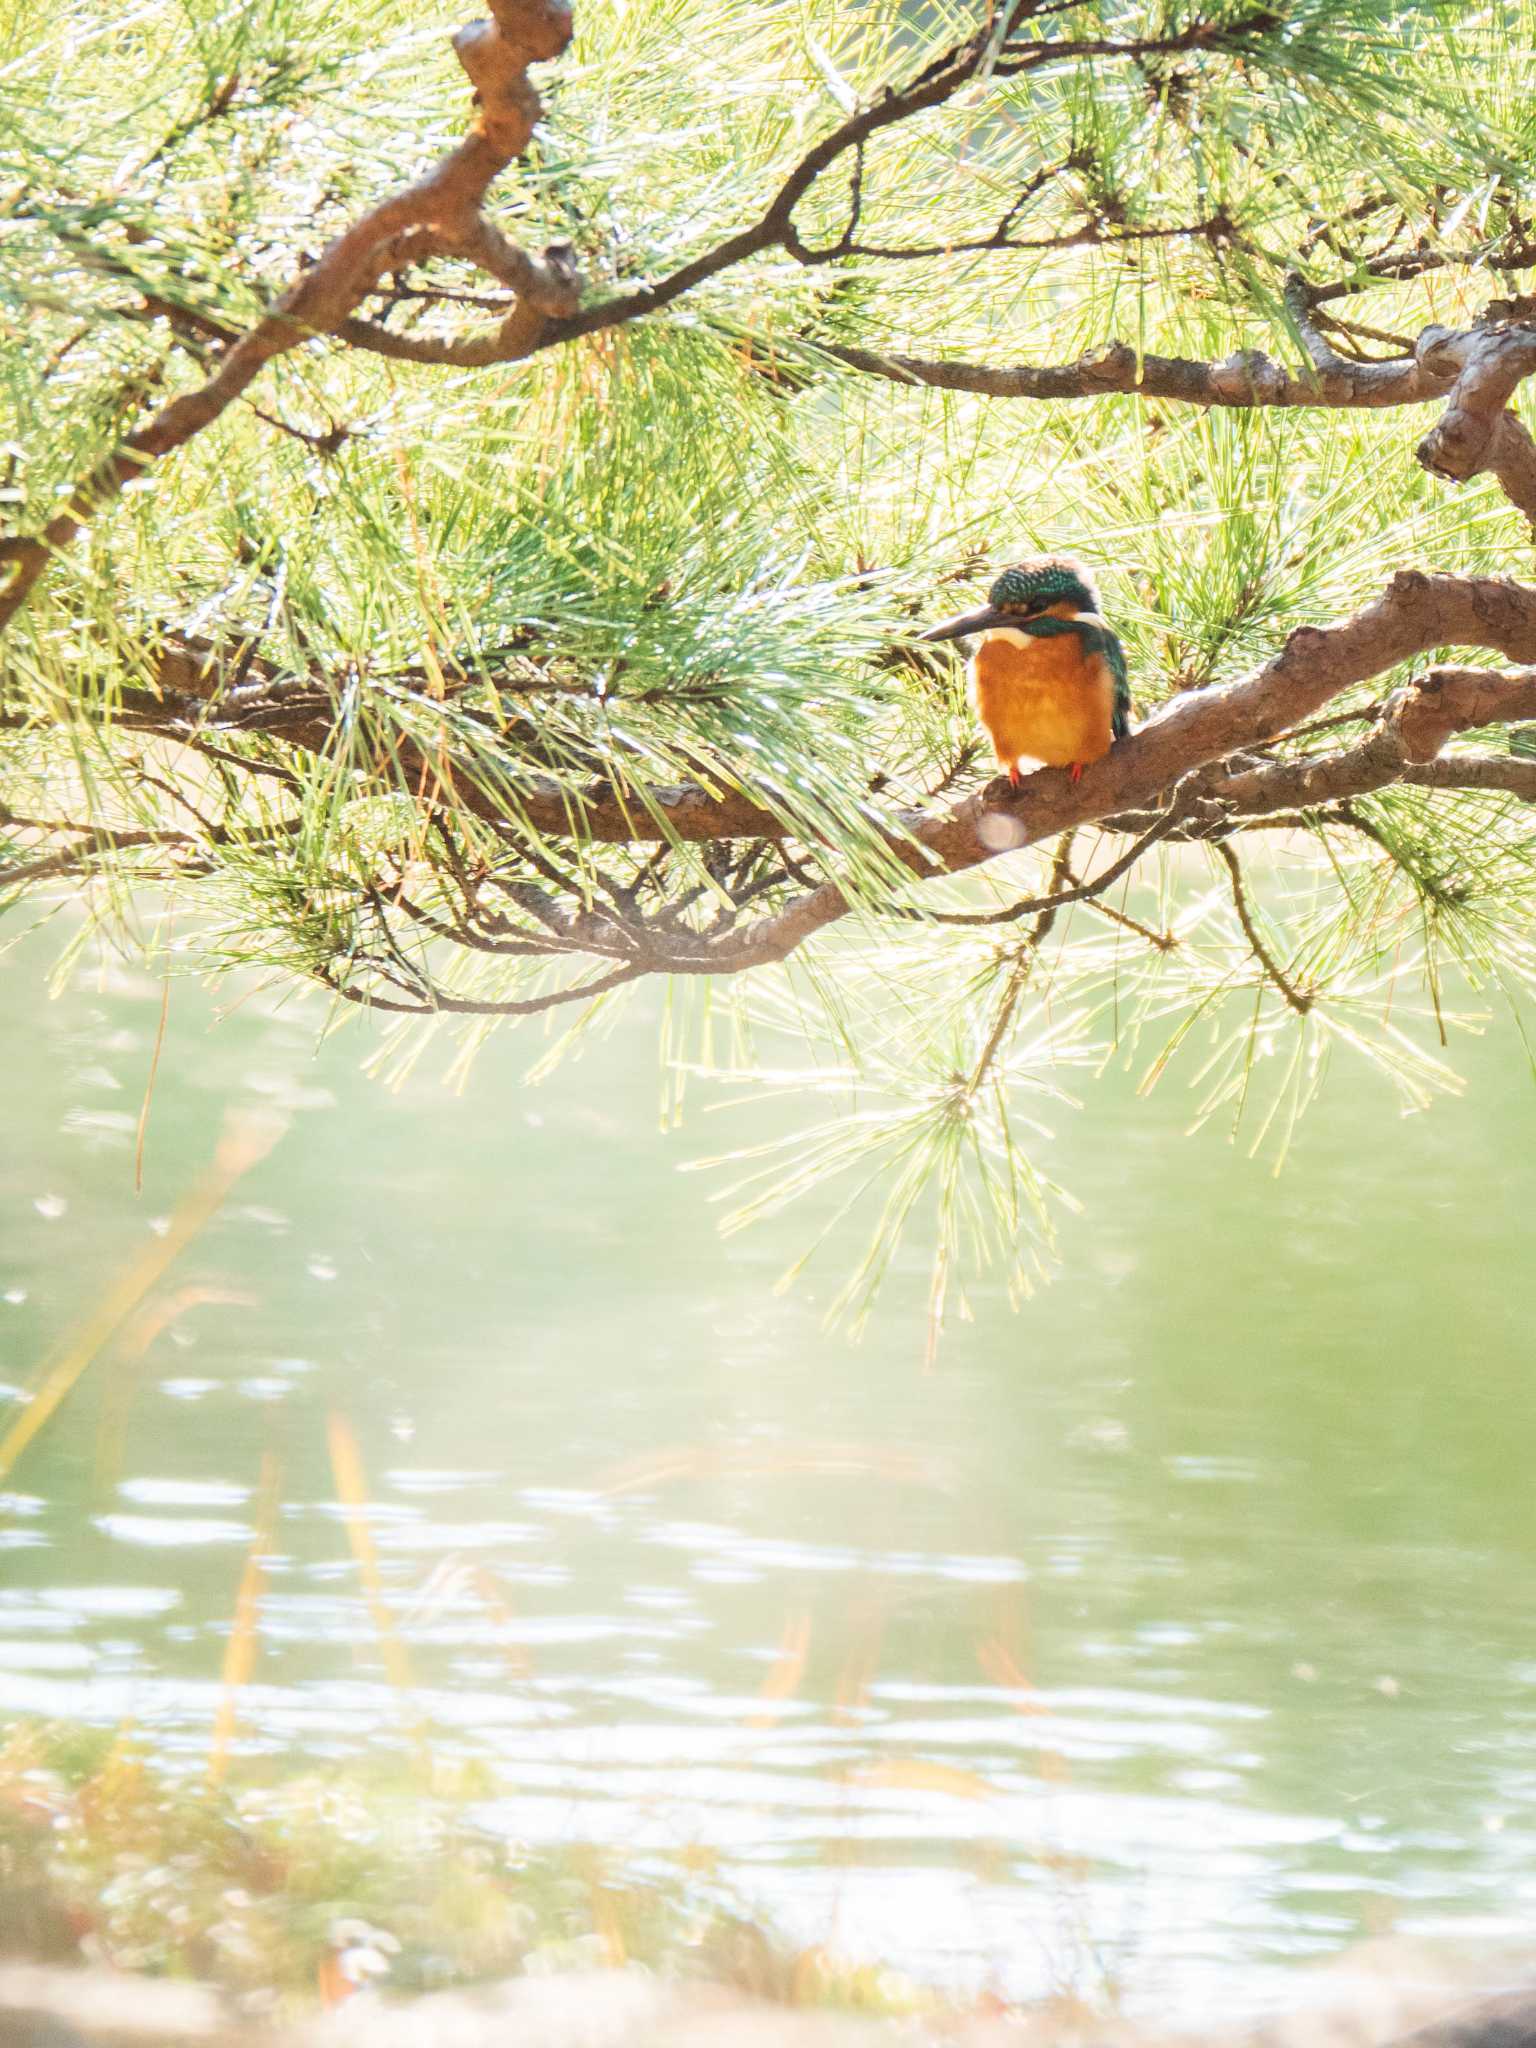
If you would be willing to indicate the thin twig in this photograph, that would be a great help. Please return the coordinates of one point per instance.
(1025, 956)
(1058, 899)
(1300, 1000)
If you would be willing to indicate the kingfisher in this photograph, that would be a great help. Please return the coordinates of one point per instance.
(1048, 678)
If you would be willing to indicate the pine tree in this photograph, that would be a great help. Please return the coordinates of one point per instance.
(469, 541)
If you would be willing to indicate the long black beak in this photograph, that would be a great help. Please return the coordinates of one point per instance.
(968, 622)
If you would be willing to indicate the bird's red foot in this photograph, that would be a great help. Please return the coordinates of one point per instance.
(1013, 774)
(1077, 771)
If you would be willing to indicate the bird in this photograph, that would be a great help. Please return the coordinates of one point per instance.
(1048, 678)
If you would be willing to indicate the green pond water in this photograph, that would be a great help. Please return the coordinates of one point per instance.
(1179, 1629)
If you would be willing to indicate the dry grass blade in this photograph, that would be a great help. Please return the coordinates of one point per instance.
(157, 1315)
(786, 1675)
(831, 1459)
(918, 1774)
(149, 1089)
(866, 1636)
(241, 1651)
(488, 1589)
(243, 1144)
(352, 1492)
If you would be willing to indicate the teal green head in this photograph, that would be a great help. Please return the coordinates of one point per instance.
(1024, 592)
(1033, 587)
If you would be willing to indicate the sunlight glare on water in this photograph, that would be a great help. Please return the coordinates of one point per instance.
(1172, 1630)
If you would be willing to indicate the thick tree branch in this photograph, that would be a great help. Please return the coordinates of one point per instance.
(1245, 379)
(443, 207)
(1477, 431)
(1403, 747)
(1478, 369)
(1000, 50)
(1190, 770)
(440, 214)
(1417, 612)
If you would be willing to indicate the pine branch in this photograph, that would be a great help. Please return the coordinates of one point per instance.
(440, 215)
(1182, 750)
(438, 212)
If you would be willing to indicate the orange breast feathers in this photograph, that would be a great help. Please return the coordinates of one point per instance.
(1042, 700)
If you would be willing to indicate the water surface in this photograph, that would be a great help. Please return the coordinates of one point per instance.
(1173, 1631)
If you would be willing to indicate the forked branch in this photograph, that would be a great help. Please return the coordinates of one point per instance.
(1209, 764)
(437, 214)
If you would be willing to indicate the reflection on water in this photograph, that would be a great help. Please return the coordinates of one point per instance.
(1173, 1631)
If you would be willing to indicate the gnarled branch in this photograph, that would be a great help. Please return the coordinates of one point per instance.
(439, 210)
(1197, 769)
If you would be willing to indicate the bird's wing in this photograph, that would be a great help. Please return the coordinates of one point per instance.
(1120, 710)
(1096, 639)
